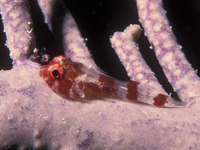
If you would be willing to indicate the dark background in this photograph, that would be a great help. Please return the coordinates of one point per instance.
(99, 19)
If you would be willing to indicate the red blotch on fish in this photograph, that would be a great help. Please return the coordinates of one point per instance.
(160, 100)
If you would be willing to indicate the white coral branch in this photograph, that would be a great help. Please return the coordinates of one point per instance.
(17, 25)
(73, 42)
(177, 69)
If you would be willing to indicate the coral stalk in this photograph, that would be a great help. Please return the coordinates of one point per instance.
(16, 18)
(126, 48)
(73, 43)
(177, 69)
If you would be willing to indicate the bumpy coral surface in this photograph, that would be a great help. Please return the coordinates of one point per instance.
(33, 116)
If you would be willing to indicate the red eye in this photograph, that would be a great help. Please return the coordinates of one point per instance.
(56, 71)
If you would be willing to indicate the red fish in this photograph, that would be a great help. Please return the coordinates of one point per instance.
(74, 81)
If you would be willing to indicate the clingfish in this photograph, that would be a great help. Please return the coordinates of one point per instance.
(77, 82)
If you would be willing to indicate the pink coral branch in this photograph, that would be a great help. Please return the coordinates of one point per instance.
(47, 9)
(73, 42)
(178, 71)
(16, 18)
(126, 48)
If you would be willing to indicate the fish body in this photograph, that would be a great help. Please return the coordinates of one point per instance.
(74, 81)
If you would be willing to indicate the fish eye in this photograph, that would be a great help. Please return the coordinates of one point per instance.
(56, 71)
